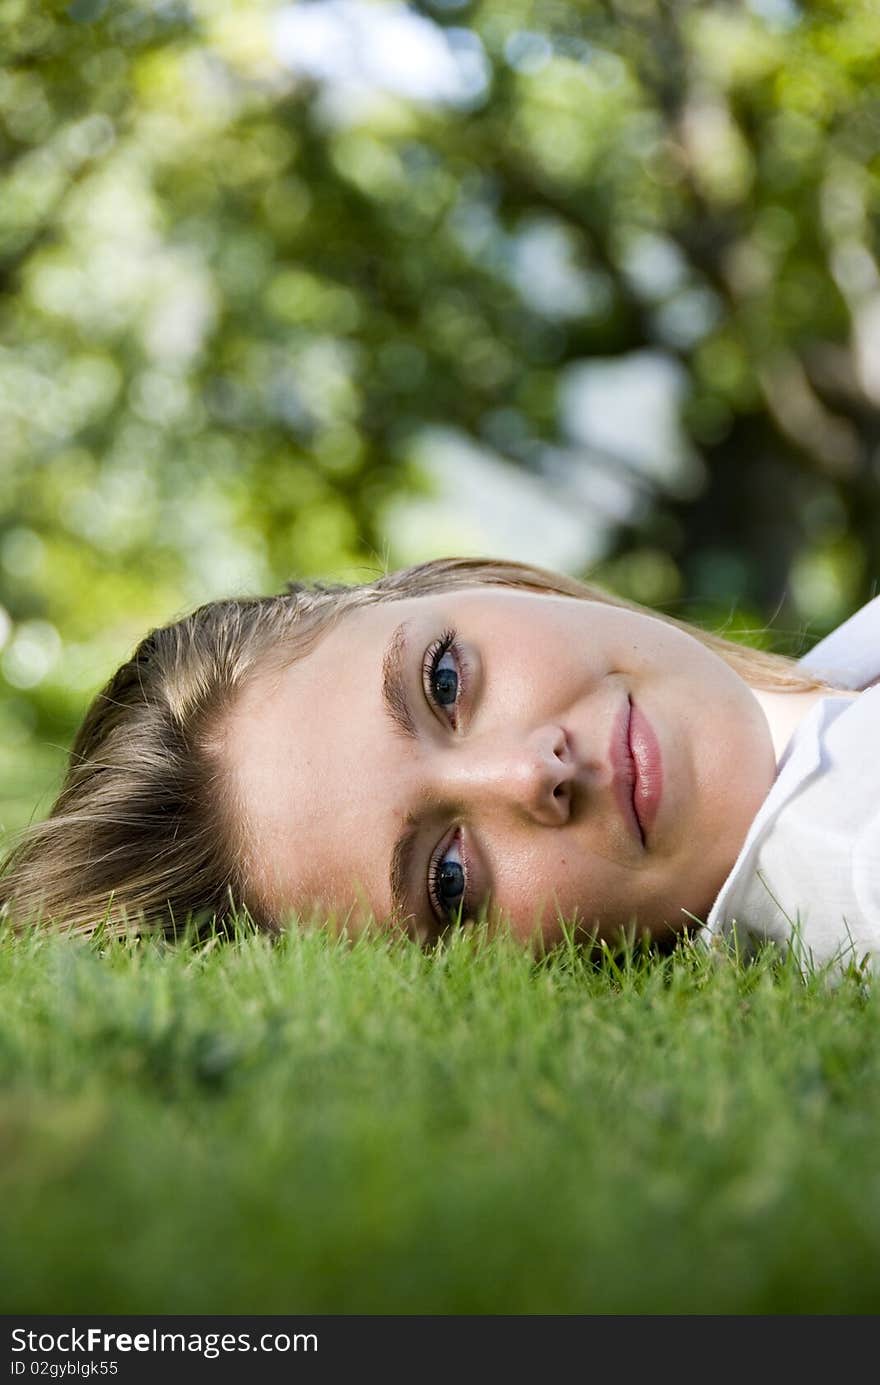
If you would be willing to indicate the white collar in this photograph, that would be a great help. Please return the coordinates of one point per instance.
(850, 655)
(800, 760)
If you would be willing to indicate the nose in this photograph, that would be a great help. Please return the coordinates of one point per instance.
(531, 773)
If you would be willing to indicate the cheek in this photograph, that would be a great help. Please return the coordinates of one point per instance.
(548, 653)
(735, 763)
(539, 884)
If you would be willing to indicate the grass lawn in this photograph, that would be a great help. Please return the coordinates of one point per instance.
(321, 1127)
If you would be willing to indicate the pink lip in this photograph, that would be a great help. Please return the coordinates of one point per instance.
(645, 751)
(624, 769)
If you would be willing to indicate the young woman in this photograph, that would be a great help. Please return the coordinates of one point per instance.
(462, 738)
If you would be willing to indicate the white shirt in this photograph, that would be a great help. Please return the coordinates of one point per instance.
(808, 874)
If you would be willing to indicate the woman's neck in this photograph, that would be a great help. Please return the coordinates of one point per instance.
(785, 710)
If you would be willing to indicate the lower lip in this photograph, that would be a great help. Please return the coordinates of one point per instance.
(649, 769)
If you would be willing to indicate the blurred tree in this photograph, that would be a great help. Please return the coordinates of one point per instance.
(250, 252)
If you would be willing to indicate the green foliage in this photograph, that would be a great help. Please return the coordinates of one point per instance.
(228, 314)
(323, 1127)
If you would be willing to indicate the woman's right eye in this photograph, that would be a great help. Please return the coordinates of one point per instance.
(448, 883)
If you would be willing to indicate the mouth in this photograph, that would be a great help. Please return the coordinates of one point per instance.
(644, 750)
(624, 771)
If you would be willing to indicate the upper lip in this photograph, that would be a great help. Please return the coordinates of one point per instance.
(624, 769)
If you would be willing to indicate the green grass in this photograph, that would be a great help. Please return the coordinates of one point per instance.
(319, 1127)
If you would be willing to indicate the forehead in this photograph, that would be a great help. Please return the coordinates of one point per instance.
(308, 749)
(299, 756)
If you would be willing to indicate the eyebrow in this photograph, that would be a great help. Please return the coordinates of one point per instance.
(397, 705)
(394, 693)
(401, 867)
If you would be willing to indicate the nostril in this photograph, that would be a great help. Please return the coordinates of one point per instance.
(559, 791)
(560, 750)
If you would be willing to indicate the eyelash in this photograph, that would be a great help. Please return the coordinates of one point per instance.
(446, 914)
(446, 644)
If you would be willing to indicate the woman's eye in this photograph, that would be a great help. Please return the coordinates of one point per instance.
(441, 671)
(448, 882)
(445, 683)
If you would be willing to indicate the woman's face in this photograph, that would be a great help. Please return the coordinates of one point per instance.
(460, 748)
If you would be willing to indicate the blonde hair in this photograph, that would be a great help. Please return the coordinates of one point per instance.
(144, 833)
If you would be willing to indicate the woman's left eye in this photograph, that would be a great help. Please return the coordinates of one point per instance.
(442, 671)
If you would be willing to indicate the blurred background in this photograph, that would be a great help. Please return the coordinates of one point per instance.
(316, 289)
